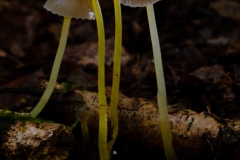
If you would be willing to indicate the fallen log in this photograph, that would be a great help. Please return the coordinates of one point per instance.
(26, 139)
(194, 135)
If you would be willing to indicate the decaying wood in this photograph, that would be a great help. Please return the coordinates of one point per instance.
(194, 134)
(43, 141)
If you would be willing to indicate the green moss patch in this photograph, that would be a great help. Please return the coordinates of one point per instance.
(8, 118)
(68, 86)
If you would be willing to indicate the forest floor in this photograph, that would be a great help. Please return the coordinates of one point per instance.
(200, 44)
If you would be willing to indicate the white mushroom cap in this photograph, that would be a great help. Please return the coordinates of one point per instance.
(71, 8)
(137, 3)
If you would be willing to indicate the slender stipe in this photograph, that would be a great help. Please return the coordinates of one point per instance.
(102, 137)
(56, 65)
(162, 97)
(116, 74)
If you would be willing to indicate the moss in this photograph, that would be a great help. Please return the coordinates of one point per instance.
(8, 118)
(23, 100)
(74, 125)
(68, 86)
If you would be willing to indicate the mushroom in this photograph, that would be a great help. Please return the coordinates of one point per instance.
(68, 9)
(82, 116)
(116, 75)
(162, 98)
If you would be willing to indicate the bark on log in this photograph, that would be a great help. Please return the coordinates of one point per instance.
(194, 135)
(31, 141)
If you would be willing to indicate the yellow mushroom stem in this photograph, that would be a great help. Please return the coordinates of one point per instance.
(56, 65)
(116, 74)
(102, 137)
(82, 116)
(85, 134)
(162, 98)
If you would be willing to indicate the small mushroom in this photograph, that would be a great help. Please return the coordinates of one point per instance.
(162, 98)
(82, 116)
(68, 9)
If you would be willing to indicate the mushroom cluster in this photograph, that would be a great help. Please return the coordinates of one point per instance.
(89, 9)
